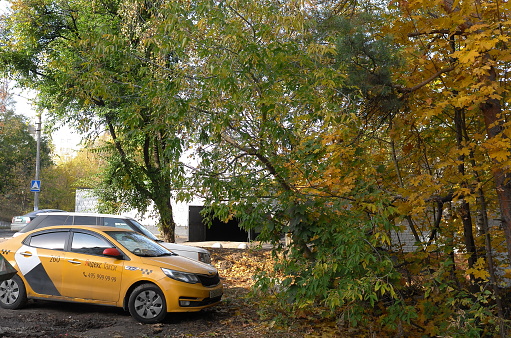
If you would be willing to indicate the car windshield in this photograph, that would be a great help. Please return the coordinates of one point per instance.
(142, 229)
(139, 244)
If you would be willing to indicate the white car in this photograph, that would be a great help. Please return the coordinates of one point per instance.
(74, 218)
(19, 222)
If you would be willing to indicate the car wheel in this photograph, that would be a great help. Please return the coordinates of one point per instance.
(147, 304)
(12, 293)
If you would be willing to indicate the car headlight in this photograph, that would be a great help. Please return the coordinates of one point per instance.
(181, 276)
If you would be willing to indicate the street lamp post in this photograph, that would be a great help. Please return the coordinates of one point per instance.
(37, 160)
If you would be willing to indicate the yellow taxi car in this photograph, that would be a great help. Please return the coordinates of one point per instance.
(108, 266)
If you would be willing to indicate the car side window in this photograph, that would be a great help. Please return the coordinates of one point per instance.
(84, 220)
(49, 240)
(116, 222)
(88, 244)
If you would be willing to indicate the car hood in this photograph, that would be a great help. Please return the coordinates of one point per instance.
(181, 247)
(180, 263)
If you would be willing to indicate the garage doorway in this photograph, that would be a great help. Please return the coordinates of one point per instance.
(218, 231)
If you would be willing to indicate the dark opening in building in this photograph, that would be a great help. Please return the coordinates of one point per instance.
(198, 231)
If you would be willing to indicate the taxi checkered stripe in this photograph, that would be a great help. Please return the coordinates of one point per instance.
(146, 271)
(5, 252)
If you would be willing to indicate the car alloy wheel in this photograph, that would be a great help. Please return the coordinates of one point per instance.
(12, 293)
(147, 304)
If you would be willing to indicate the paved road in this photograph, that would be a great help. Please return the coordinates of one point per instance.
(5, 233)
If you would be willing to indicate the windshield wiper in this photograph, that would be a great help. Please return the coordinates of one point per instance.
(167, 254)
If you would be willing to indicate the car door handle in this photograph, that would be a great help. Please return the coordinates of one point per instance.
(26, 254)
(72, 261)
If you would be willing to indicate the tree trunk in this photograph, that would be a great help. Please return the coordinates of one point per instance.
(485, 229)
(468, 232)
(491, 110)
(161, 195)
(468, 236)
(167, 225)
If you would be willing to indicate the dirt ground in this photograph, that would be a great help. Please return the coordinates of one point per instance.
(235, 317)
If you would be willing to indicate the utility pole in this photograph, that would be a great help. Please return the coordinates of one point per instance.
(37, 160)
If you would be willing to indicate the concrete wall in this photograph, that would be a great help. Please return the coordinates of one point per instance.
(404, 240)
(85, 201)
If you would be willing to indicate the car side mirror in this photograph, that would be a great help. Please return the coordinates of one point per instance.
(114, 252)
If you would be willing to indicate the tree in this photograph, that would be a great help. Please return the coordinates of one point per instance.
(281, 149)
(17, 158)
(455, 84)
(62, 180)
(91, 65)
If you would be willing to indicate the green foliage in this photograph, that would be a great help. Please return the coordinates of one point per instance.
(446, 308)
(368, 61)
(281, 151)
(18, 149)
(347, 273)
(17, 162)
(98, 66)
(62, 179)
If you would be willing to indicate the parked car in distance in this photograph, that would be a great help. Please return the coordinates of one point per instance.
(19, 222)
(107, 266)
(75, 218)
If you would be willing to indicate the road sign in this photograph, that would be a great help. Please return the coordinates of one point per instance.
(35, 186)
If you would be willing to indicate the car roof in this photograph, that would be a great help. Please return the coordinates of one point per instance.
(87, 214)
(100, 228)
(43, 211)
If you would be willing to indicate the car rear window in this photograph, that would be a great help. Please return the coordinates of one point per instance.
(52, 240)
(55, 220)
(116, 222)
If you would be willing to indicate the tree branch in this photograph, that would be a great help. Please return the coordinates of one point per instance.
(404, 90)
